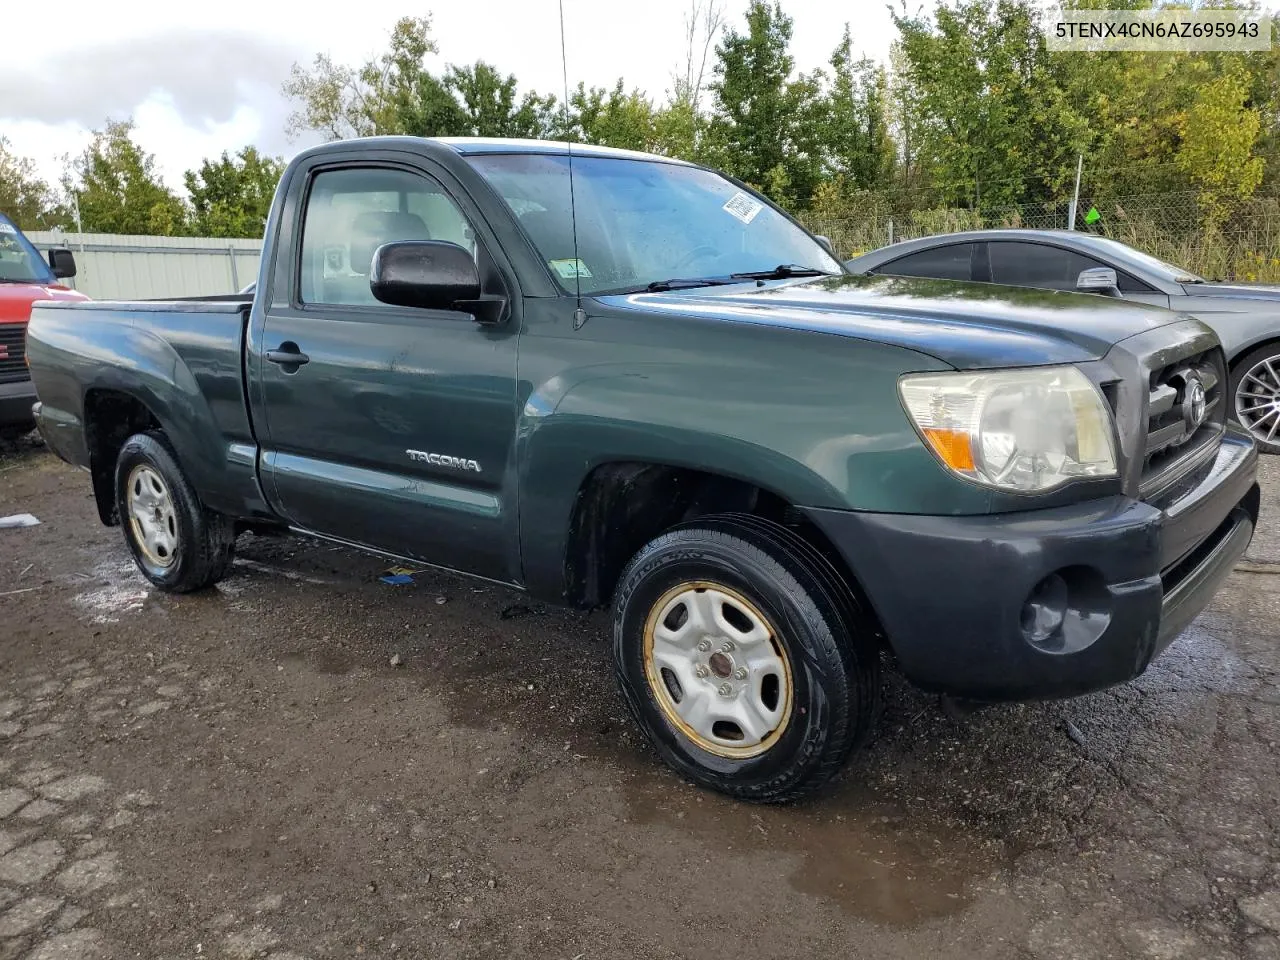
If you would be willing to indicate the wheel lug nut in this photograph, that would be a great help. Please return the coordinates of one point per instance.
(704, 645)
(701, 670)
(740, 673)
(727, 646)
(726, 690)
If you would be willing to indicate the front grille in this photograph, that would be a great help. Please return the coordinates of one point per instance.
(13, 345)
(1179, 428)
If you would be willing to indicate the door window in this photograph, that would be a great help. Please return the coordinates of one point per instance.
(352, 212)
(1037, 265)
(1041, 265)
(951, 262)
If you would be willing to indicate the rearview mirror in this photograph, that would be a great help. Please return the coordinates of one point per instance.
(1097, 278)
(431, 274)
(62, 262)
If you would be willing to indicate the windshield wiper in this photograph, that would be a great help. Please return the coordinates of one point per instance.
(685, 283)
(781, 272)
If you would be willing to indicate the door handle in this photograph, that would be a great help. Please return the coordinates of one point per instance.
(287, 355)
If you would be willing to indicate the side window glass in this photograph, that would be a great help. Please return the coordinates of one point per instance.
(352, 212)
(1131, 284)
(1037, 265)
(952, 262)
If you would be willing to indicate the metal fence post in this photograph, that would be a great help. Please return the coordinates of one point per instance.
(235, 277)
(1075, 197)
(891, 230)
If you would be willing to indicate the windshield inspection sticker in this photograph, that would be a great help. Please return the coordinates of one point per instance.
(743, 207)
(569, 269)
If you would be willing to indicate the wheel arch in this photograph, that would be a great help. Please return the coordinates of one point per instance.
(621, 505)
(111, 416)
(1245, 349)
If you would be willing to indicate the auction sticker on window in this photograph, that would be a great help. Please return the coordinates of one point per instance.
(7, 228)
(743, 207)
(570, 269)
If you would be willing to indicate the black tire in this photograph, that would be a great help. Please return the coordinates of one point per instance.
(205, 540)
(834, 663)
(1239, 369)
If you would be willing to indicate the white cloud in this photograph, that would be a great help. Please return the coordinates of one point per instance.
(199, 80)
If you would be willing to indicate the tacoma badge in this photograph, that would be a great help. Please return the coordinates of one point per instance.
(442, 460)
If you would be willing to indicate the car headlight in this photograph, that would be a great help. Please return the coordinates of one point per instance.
(1024, 430)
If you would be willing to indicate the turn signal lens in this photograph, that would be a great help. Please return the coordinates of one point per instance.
(952, 446)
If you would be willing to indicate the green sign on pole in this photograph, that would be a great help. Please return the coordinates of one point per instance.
(1093, 216)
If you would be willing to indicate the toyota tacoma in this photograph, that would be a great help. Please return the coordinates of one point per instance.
(613, 379)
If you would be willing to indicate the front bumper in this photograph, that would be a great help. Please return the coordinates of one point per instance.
(952, 592)
(16, 400)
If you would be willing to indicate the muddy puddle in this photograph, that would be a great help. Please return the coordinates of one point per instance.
(848, 848)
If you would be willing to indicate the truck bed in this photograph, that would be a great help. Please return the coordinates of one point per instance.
(185, 357)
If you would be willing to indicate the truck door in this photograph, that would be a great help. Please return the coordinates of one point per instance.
(390, 427)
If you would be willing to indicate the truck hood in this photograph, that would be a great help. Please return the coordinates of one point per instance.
(967, 325)
(16, 298)
(1233, 291)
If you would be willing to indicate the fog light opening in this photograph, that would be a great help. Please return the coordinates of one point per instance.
(1045, 611)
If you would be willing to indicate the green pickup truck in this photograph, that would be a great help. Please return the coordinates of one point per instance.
(608, 378)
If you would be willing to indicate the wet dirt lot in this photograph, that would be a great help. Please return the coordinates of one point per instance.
(245, 773)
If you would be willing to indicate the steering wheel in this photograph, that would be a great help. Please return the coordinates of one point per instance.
(695, 254)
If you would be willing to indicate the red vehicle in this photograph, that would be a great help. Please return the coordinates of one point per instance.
(24, 279)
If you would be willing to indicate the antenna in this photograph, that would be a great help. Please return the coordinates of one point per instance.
(579, 315)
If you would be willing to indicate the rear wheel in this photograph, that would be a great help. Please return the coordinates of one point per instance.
(742, 656)
(178, 544)
(1255, 395)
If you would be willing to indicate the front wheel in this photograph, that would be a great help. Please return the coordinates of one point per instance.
(178, 544)
(743, 658)
(1255, 395)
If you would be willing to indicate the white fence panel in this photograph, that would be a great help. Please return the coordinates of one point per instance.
(115, 267)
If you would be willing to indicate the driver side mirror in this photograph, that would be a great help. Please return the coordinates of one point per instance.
(62, 262)
(431, 274)
(1098, 279)
(826, 242)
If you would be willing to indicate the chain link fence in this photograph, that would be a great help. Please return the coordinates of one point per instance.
(1245, 247)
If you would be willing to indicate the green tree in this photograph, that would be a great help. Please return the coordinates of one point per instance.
(491, 106)
(1218, 133)
(678, 130)
(764, 124)
(25, 197)
(395, 93)
(994, 125)
(115, 184)
(392, 93)
(613, 118)
(857, 130)
(231, 196)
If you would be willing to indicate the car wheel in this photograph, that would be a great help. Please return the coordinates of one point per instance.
(1255, 395)
(178, 544)
(742, 655)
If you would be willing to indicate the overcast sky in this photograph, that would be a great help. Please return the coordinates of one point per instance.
(199, 78)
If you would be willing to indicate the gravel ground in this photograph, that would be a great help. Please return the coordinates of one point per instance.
(306, 762)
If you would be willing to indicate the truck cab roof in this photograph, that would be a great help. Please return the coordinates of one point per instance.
(477, 146)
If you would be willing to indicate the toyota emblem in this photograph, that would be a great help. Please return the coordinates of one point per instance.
(1194, 403)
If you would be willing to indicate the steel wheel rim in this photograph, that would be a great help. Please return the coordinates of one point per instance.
(1258, 399)
(151, 516)
(733, 690)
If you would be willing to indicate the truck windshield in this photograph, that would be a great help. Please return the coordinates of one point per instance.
(644, 222)
(20, 262)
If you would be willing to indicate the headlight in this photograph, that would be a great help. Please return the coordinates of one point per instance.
(1025, 430)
